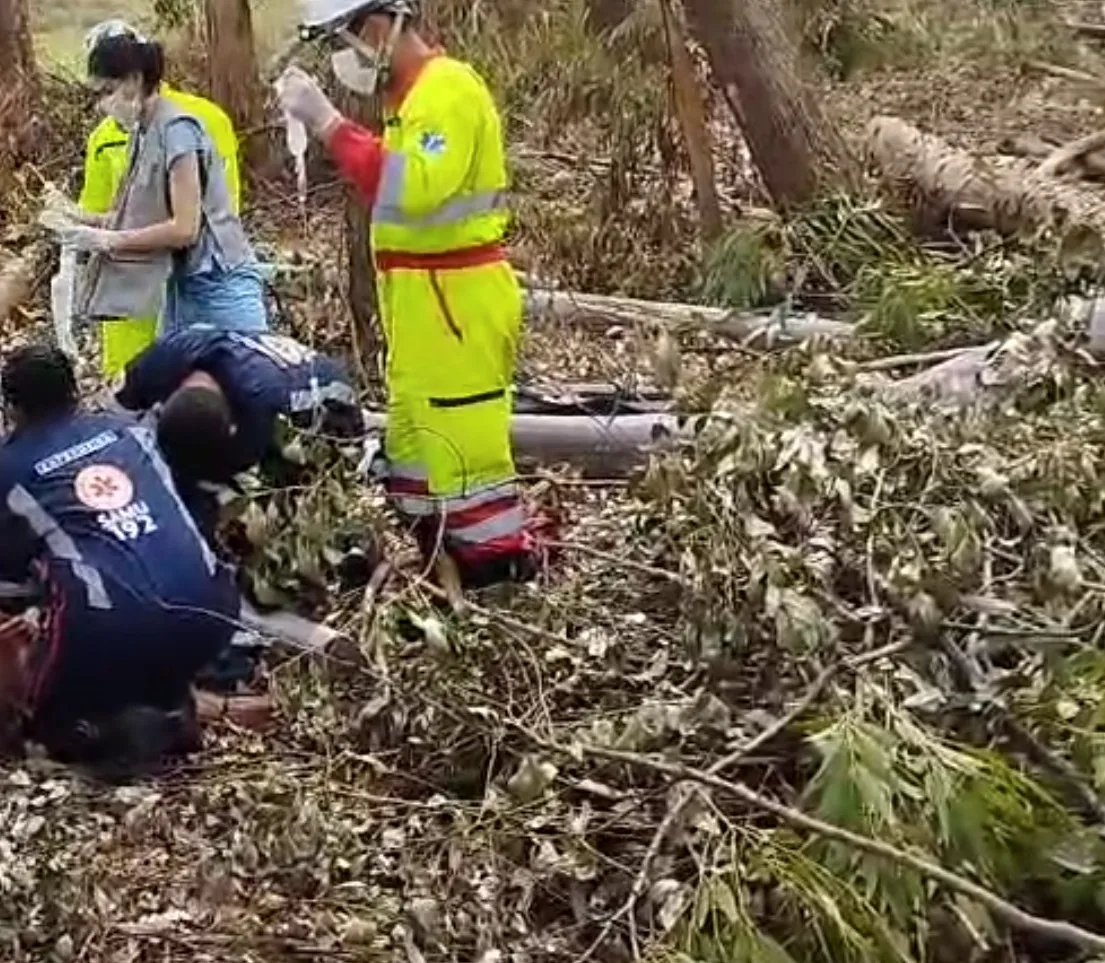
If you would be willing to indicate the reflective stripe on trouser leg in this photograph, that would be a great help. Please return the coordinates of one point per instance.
(472, 503)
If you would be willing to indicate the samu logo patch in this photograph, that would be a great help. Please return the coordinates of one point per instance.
(432, 143)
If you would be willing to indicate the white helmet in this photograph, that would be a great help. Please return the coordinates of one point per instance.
(108, 29)
(322, 17)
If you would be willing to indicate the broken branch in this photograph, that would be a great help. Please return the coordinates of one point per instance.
(1062, 158)
(1012, 914)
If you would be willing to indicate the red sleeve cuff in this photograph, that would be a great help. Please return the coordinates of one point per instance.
(359, 155)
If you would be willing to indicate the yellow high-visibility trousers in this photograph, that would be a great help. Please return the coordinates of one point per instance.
(452, 344)
(452, 337)
(123, 341)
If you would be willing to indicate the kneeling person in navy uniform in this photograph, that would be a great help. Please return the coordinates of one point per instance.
(134, 601)
(221, 392)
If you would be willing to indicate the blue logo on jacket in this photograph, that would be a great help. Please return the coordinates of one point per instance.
(433, 144)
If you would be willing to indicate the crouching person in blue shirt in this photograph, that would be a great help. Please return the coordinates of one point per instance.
(229, 401)
(133, 603)
(221, 394)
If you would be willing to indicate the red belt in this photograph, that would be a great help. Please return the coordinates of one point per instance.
(441, 261)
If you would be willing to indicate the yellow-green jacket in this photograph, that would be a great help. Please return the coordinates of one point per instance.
(106, 154)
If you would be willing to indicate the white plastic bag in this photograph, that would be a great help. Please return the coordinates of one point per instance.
(63, 287)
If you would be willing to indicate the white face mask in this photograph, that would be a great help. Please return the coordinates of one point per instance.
(123, 107)
(360, 67)
(355, 73)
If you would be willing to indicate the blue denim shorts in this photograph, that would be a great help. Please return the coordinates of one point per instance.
(233, 300)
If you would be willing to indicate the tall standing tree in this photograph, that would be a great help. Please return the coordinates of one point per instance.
(362, 273)
(233, 78)
(691, 112)
(756, 61)
(18, 119)
(17, 63)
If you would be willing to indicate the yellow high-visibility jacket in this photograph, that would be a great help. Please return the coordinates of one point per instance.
(105, 165)
(450, 304)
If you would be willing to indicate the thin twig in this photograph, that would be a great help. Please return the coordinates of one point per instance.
(912, 360)
(1066, 73)
(618, 560)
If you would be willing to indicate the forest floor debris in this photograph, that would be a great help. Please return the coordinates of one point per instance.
(866, 610)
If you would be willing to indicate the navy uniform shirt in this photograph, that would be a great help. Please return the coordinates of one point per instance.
(263, 375)
(137, 597)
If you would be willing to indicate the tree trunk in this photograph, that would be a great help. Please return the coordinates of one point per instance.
(691, 112)
(233, 78)
(604, 15)
(757, 64)
(17, 63)
(362, 273)
(19, 123)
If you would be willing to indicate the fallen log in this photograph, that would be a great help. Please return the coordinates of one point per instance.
(752, 330)
(1010, 197)
(977, 374)
(1093, 31)
(599, 447)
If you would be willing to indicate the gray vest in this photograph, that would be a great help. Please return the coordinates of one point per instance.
(132, 285)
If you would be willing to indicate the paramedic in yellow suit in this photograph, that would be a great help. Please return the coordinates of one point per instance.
(450, 304)
(104, 167)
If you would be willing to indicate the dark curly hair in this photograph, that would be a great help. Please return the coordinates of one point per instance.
(38, 381)
(195, 431)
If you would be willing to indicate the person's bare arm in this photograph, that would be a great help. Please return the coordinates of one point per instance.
(183, 226)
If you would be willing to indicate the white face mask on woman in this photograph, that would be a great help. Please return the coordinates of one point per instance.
(124, 105)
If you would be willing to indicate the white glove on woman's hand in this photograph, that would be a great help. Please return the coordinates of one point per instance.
(300, 96)
(85, 238)
(58, 210)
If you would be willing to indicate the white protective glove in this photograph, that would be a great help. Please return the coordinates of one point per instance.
(58, 212)
(54, 199)
(300, 96)
(85, 238)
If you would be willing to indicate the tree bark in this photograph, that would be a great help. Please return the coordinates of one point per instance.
(757, 63)
(17, 63)
(691, 112)
(362, 273)
(19, 120)
(233, 78)
(945, 184)
(600, 312)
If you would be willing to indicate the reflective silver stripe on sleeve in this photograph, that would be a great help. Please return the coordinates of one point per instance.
(451, 212)
(388, 208)
(307, 398)
(22, 503)
(389, 193)
(145, 438)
